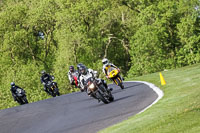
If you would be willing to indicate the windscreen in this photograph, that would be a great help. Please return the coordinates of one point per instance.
(110, 69)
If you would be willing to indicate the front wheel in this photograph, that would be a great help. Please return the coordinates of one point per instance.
(58, 93)
(100, 96)
(52, 93)
(109, 95)
(118, 81)
(19, 100)
(106, 93)
(122, 86)
(25, 100)
(111, 98)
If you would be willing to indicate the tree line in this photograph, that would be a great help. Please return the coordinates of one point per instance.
(140, 37)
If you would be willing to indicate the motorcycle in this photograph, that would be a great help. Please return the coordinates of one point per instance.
(53, 88)
(113, 74)
(21, 96)
(75, 81)
(98, 91)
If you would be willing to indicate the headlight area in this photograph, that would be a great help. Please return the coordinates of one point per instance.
(91, 86)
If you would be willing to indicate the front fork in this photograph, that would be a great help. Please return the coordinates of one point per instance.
(115, 81)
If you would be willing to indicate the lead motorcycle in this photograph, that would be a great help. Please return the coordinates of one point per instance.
(96, 89)
(53, 88)
(21, 96)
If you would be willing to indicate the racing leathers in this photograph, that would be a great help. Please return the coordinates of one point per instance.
(90, 73)
(13, 89)
(107, 66)
(44, 80)
(72, 76)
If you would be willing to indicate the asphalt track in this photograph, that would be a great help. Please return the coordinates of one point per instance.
(76, 112)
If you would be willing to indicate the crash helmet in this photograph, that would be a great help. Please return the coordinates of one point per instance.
(105, 61)
(12, 83)
(83, 70)
(71, 68)
(79, 65)
(43, 72)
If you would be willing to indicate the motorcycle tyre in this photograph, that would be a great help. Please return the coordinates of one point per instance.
(58, 93)
(19, 100)
(111, 98)
(120, 83)
(100, 96)
(25, 100)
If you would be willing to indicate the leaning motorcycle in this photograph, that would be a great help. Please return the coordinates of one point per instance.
(96, 89)
(21, 96)
(53, 88)
(113, 74)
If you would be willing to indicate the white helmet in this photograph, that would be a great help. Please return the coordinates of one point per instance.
(105, 61)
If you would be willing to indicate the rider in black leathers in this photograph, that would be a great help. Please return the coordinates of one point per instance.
(44, 80)
(13, 90)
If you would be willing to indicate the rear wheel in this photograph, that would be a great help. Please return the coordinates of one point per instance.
(100, 96)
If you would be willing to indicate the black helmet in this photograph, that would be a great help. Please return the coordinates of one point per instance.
(12, 83)
(71, 68)
(43, 72)
(79, 65)
(83, 70)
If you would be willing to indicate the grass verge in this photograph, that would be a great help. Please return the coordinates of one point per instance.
(177, 112)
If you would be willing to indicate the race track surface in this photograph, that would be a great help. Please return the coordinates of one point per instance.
(76, 112)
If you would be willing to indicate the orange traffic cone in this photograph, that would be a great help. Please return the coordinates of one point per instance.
(162, 80)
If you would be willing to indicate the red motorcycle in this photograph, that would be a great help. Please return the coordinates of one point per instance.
(76, 81)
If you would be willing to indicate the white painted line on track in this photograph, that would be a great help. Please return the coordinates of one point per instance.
(156, 89)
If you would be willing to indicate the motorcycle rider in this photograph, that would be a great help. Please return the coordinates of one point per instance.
(72, 72)
(45, 78)
(78, 70)
(79, 66)
(107, 65)
(87, 73)
(13, 89)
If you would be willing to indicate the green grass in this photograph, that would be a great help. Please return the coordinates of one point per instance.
(177, 112)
